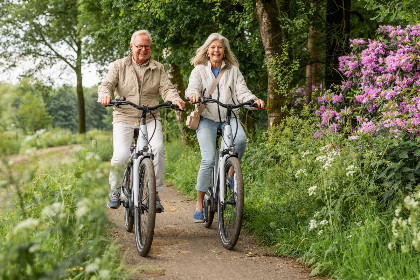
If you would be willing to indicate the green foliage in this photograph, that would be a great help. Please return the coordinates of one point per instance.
(394, 12)
(63, 107)
(168, 20)
(182, 164)
(9, 143)
(54, 223)
(26, 109)
(321, 199)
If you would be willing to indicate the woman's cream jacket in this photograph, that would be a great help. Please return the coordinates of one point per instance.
(232, 89)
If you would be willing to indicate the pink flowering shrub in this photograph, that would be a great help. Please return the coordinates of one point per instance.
(298, 95)
(378, 106)
(381, 93)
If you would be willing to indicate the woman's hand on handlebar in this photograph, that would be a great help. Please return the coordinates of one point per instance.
(194, 98)
(260, 103)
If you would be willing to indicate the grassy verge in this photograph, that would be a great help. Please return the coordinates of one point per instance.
(54, 220)
(318, 200)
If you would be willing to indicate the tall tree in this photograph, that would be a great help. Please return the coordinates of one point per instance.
(179, 27)
(274, 39)
(337, 38)
(313, 68)
(44, 33)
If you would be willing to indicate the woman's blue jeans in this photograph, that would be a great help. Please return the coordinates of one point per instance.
(206, 135)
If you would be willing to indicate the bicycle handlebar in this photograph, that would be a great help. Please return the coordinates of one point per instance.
(209, 99)
(167, 104)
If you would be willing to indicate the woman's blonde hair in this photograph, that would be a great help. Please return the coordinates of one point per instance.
(201, 53)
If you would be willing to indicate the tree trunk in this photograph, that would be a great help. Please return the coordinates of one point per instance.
(337, 38)
(273, 39)
(79, 89)
(177, 80)
(313, 68)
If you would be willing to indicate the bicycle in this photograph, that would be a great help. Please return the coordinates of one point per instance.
(226, 192)
(138, 190)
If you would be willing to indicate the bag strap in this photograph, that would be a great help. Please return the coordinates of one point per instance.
(213, 87)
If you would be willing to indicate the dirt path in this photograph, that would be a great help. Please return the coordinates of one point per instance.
(182, 249)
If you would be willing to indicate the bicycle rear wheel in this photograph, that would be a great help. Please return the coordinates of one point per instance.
(145, 213)
(128, 205)
(231, 210)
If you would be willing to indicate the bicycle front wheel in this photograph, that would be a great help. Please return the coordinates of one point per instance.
(230, 211)
(128, 205)
(145, 213)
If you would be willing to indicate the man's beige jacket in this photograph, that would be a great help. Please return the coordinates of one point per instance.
(121, 81)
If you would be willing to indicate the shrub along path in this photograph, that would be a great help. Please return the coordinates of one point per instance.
(184, 250)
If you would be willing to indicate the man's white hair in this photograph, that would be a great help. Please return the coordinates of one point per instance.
(141, 32)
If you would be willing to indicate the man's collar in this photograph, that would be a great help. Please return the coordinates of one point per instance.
(129, 60)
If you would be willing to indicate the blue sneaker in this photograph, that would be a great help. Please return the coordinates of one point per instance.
(115, 200)
(198, 216)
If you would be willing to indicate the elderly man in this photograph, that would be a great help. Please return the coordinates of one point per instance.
(140, 80)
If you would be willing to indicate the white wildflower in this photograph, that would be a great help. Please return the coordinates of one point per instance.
(34, 248)
(350, 173)
(320, 158)
(416, 244)
(104, 274)
(52, 210)
(404, 249)
(316, 214)
(397, 211)
(303, 171)
(82, 208)
(320, 232)
(323, 222)
(351, 167)
(312, 225)
(390, 246)
(305, 154)
(327, 165)
(311, 190)
(28, 223)
(92, 267)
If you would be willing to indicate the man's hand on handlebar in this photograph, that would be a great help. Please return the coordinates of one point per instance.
(180, 104)
(104, 100)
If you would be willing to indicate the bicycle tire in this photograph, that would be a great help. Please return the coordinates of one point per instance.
(128, 207)
(231, 211)
(145, 214)
(208, 209)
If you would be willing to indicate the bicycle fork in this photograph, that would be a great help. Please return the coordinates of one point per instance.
(142, 146)
(227, 144)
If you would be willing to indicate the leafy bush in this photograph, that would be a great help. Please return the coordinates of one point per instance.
(54, 224)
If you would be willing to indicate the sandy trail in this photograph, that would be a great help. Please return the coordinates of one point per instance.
(182, 249)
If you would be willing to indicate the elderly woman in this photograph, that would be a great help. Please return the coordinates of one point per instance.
(210, 58)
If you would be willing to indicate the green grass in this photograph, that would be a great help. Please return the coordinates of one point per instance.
(182, 166)
(353, 222)
(54, 221)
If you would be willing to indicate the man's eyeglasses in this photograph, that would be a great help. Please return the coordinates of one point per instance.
(147, 47)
